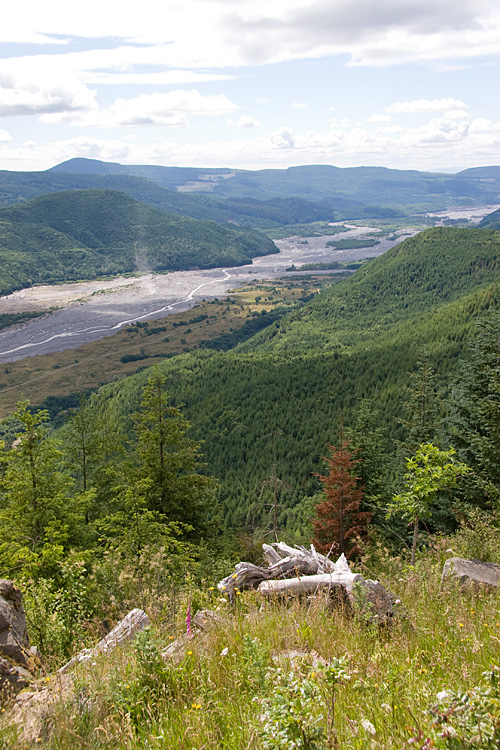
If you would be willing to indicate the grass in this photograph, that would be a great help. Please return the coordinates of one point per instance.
(99, 362)
(362, 686)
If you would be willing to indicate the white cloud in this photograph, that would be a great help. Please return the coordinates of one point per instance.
(439, 145)
(169, 109)
(247, 121)
(22, 93)
(300, 105)
(259, 100)
(282, 138)
(163, 78)
(456, 114)
(216, 33)
(5, 136)
(426, 105)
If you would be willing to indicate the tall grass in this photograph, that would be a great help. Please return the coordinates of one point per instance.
(350, 685)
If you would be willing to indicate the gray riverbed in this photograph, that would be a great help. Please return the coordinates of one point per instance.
(92, 310)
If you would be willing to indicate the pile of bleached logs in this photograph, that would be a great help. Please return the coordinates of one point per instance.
(298, 570)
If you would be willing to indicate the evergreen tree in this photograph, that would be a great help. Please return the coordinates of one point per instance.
(475, 418)
(421, 408)
(338, 519)
(39, 514)
(368, 440)
(170, 462)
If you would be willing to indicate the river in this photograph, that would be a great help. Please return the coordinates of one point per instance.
(91, 310)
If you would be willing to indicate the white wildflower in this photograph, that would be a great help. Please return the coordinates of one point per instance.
(386, 707)
(443, 696)
(224, 651)
(368, 727)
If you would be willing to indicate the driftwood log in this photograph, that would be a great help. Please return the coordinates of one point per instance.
(133, 622)
(298, 570)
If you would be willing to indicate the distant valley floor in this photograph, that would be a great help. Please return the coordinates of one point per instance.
(95, 309)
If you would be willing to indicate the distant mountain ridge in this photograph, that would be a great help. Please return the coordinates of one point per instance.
(266, 198)
(82, 234)
(358, 188)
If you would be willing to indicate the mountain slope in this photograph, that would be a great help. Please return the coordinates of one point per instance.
(88, 233)
(300, 378)
(18, 186)
(491, 221)
(356, 192)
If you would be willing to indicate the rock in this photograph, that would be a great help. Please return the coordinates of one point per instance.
(472, 571)
(13, 678)
(17, 663)
(14, 642)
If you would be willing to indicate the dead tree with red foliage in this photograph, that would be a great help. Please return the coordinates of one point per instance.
(338, 519)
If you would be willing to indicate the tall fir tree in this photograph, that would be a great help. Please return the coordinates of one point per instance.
(475, 413)
(421, 408)
(170, 462)
(40, 515)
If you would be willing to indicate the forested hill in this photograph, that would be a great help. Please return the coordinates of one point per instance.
(88, 233)
(265, 198)
(16, 187)
(361, 191)
(414, 278)
(300, 380)
(491, 221)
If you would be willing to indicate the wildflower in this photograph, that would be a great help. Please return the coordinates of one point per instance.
(386, 707)
(443, 696)
(368, 727)
(211, 588)
(235, 575)
(460, 624)
(190, 653)
(238, 593)
(224, 651)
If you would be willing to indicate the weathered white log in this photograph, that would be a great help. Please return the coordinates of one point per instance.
(133, 622)
(279, 550)
(368, 598)
(298, 570)
(285, 562)
(472, 571)
(309, 584)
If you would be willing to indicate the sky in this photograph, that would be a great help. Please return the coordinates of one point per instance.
(407, 84)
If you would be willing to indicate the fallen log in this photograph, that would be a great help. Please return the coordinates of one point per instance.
(284, 562)
(133, 622)
(298, 570)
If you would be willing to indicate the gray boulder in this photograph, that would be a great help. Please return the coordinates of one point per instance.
(17, 663)
(472, 571)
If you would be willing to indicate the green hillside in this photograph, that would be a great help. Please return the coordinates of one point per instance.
(305, 374)
(18, 186)
(356, 192)
(265, 198)
(88, 233)
(491, 221)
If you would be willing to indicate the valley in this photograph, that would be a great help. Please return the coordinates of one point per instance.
(95, 309)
